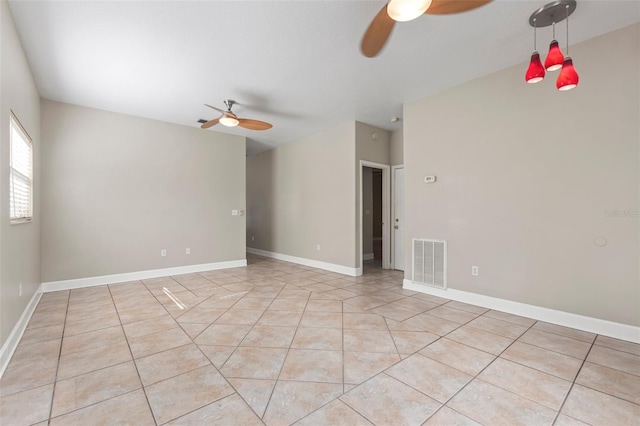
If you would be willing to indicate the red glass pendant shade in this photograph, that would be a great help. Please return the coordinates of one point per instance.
(555, 57)
(568, 78)
(535, 72)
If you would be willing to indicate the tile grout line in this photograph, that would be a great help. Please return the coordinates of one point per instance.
(133, 360)
(252, 327)
(573, 383)
(343, 375)
(266, 407)
(625, 351)
(395, 345)
(566, 337)
(477, 374)
(55, 380)
(398, 362)
(550, 350)
(99, 369)
(343, 371)
(507, 390)
(238, 346)
(210, 363)
(536, 369)
(588, 387)
(194, 306)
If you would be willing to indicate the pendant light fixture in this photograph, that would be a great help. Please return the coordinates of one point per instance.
(554, 57)
(550, 14)
(568, 78)
(535, 72)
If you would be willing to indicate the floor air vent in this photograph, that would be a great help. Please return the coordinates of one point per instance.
(430, 262)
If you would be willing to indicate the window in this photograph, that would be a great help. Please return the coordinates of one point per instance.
(21, 173)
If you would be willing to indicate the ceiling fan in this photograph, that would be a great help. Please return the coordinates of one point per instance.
(229, 119)
(406, 10)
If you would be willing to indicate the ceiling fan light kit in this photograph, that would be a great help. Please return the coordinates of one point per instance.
(550, 14)
(407, 10)
(380, 28)
(229, 119)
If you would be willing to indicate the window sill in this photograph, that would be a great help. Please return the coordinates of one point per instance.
(20, 221)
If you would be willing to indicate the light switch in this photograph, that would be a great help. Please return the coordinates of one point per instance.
(234, 212)
(429, 179)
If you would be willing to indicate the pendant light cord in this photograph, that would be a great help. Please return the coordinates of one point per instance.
(567, 9)
(535, 43)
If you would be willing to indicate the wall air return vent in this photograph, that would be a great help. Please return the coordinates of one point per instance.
(430, 262)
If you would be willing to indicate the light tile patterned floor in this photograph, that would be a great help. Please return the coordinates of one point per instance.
(278, 343)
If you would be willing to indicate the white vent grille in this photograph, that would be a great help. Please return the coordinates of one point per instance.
(430, 262)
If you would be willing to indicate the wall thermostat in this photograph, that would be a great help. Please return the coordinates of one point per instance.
(429, 179)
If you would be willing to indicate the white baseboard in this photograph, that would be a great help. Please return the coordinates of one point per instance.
(345, 270)
(140, 275)
(10, 345)
(593, 325)
(368, 256)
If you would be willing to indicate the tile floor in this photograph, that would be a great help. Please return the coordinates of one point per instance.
(276, 343)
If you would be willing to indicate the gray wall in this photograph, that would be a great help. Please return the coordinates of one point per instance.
(19, 244)
(397, 147)
(525, 177)
(303, 194)
(117, 189)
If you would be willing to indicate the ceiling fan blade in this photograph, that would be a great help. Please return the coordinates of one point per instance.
(445, 7)
(254, 124)
(217, 109)
(377, 34)
(210, 123)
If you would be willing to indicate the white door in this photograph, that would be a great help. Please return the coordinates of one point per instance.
(398, 220)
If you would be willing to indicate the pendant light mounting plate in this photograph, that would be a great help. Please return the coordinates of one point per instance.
(551, 13)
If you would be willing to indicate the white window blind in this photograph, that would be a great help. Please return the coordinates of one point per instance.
(21, 173)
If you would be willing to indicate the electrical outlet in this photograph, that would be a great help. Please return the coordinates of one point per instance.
(20, 289)
(253, 238)
(188, 251)
(474, 271)
(318, 247)
(163, 252)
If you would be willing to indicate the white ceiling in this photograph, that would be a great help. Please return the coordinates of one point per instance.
(295, 64)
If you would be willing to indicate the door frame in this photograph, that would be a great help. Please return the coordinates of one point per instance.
(393, 213)
(386, 222)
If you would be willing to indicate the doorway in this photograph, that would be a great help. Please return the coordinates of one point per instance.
(374, 214)
(372, 217)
